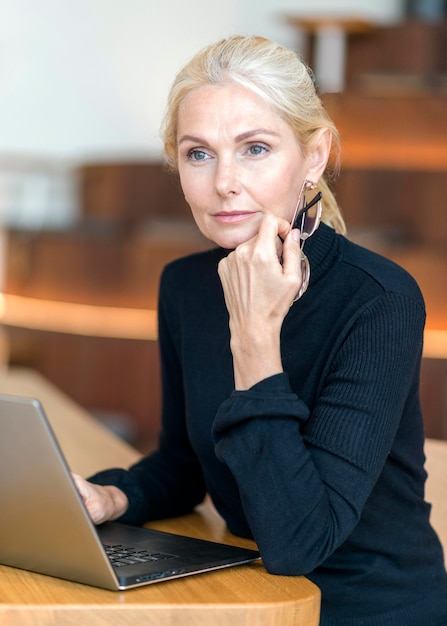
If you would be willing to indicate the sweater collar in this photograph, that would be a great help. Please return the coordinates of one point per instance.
(322, 250)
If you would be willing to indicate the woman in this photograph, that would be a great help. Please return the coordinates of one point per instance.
(296, 410)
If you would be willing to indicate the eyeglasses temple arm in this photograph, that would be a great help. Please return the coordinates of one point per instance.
(314, 201)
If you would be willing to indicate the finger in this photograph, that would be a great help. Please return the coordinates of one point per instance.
(272, 227)
(284, 228)
(292, 253)
(271, 234)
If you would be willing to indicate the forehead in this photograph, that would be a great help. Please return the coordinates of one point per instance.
(230, 104)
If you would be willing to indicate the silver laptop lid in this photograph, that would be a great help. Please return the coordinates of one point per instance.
(44, 526)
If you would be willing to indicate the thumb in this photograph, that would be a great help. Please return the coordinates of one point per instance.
(81, 486)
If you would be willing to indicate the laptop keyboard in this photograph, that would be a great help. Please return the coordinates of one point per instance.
(121, 555)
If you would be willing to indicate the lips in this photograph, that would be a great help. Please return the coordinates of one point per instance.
(232, 217)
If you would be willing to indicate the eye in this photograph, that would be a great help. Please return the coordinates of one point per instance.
(197, 155)
(256, 149)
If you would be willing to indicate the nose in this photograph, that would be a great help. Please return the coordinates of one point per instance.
(227, 177)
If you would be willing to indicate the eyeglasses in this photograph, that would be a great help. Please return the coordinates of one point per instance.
(307, 219)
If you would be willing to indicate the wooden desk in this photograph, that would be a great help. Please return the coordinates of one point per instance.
(242, 595)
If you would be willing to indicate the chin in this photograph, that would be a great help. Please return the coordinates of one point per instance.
(230, 240)
(228, 236)
(229, 243)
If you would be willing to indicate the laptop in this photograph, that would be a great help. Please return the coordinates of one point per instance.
(45, 527)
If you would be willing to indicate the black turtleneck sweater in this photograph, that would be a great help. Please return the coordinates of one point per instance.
(322, 465)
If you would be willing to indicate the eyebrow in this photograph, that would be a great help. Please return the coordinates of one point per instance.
(256, 131)
(238, 138)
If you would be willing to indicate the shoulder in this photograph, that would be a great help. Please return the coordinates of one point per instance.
(386, 275)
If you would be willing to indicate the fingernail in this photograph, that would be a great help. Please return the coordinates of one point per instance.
(296, 235)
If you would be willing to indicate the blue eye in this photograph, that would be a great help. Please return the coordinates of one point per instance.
(197, 155)
(256, 149)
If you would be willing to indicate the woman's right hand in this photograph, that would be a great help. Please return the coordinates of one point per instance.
(258, 290)
(103, 503)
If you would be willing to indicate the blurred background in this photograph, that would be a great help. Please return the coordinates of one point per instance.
(89, 216)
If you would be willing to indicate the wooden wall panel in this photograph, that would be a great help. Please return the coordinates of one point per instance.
(130, 192)
(116, 379)
(414, 47)
(98, 268)
(405, 207)
(433, 390)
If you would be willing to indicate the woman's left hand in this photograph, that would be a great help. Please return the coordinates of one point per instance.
(259, 290)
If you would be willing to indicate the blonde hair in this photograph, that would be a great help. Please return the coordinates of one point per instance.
(277, 75)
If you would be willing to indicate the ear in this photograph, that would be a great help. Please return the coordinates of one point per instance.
(320, 149)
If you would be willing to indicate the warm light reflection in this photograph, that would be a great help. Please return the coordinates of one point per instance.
(78, 319)
(119, 322)
(435, 344)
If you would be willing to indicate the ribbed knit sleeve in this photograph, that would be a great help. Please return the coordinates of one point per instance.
(369, 382)
(304, 476)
